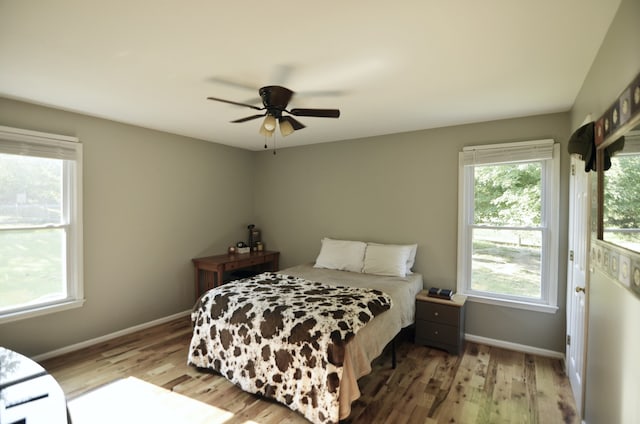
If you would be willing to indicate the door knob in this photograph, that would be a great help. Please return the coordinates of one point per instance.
(580, 289)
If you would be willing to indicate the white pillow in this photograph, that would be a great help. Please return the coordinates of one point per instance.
(343, 255)
(411, 259)
(386, 259)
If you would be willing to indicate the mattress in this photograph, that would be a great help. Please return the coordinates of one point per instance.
(370, 341)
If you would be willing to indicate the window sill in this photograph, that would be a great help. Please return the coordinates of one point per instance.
(537, 307)
(40, 310)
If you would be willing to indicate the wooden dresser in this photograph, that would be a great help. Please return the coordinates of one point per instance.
(440, 322)
(210, 270)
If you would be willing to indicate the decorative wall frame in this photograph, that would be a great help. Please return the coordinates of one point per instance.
(622, 116)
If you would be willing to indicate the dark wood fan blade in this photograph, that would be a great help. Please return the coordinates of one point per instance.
(248, 118)
(235, 103)
(281, 73)
(322, 93)
(319, 113)
(297, 125)
(232, 83)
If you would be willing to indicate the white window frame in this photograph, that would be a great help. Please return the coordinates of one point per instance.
(39, 144)
(548, 153)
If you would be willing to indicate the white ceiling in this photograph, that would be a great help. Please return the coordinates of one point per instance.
(388, 66)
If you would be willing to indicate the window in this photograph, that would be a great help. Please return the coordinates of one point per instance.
(40, 223)
(508, 224)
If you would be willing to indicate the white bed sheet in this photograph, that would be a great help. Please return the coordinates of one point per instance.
(372, 338)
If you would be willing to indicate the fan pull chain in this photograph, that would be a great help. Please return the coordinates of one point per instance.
(274, 143)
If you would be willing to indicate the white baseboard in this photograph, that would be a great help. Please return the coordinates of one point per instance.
(106, 337)
(514, 346)
(470, 337)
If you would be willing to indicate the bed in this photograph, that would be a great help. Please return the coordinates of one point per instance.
(320, 385)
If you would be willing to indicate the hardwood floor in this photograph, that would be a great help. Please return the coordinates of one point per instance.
(485, 385)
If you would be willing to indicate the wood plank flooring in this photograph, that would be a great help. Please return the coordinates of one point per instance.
(484, 385)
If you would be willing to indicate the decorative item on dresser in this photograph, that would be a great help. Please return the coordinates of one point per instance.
(211, 269)
(440, 322)
(254, 237)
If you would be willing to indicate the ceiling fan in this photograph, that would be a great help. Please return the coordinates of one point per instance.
(275, 100)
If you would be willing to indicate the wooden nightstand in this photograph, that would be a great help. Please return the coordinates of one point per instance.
(440, 322)
(210, 270)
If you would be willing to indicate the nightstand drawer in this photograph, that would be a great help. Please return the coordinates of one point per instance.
(436, 333)
(244, 263)
(438, 313)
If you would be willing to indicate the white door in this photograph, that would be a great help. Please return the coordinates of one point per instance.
(579, 208)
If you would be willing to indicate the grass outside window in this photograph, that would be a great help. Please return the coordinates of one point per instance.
(31, 268)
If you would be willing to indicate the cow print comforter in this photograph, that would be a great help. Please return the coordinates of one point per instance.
(282, 337)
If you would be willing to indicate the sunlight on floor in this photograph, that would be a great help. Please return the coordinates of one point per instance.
(131, 400)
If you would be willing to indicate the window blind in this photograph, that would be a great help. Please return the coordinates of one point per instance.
(507, 152)
(31, 143)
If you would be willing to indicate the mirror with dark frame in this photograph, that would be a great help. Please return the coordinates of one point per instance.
(617, 137)
(621, 194)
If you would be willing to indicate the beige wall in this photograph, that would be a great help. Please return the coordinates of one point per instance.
(401, 188)
(613, 351)
(152, 201)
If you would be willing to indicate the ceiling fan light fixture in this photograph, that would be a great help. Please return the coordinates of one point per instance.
(265, 132)
(269, 123)
(286, 128)
(275, 100)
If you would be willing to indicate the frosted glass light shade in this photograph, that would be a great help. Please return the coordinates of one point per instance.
(286, 128)
(269, 123)
(265, 132)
